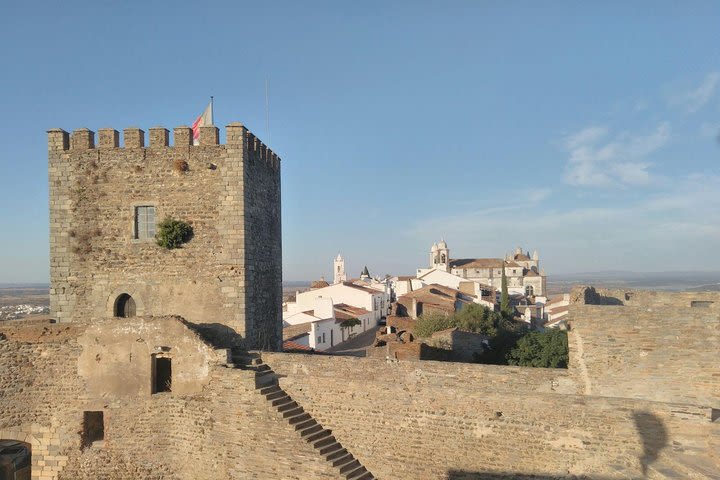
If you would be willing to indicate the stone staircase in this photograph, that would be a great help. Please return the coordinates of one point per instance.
(307, 427)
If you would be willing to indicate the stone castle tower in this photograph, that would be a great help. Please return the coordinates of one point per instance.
(105, 203)
(339, 270)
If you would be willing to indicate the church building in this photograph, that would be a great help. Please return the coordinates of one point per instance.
(522, 271)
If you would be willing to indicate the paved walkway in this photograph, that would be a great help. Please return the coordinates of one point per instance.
(355, 346)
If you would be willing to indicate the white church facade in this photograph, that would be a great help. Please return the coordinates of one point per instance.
(522, 271)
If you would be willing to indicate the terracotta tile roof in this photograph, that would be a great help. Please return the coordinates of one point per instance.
(319, 284)
(482, 263)
(290, 346)
(295, 331)
(522, 257)
(437, 296)
(532, 273)
(350, 310)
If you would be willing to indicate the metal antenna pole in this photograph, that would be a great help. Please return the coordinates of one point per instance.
(267, 111)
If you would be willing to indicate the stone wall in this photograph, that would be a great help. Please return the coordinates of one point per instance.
(419, 420)
(402, 420)
(644, 298)
(229, 272)
(662, 352)
(224, 430)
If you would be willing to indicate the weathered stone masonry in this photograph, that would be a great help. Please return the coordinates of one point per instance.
(229, 273)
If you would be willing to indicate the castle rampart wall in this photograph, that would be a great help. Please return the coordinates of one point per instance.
(402, 420)
(657, 352)
(229, 193)
(419, 420)
(225, 430)
(644, 298)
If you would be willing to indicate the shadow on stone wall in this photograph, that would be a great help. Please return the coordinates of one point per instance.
(216, 334)
(653, 434)
(589, 296)
(467, 475)
(650, 428)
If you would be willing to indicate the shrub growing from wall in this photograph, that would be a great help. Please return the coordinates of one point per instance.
(173, 233)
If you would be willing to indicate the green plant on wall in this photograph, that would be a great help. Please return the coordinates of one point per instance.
(173, 233)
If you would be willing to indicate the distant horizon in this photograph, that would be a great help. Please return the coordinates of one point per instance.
(550, 276)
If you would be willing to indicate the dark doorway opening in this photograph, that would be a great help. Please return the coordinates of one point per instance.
(15, 460)
(93, 428)
(162, 374)
(124, 306)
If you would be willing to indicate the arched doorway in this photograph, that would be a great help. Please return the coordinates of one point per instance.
(124, 306)
(15, 460)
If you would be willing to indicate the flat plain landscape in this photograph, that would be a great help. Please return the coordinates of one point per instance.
(21, 300)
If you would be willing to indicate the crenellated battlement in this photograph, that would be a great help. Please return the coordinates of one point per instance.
(111, 188)
(237, 136)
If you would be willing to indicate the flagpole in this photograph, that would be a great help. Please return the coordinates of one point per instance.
(267, 110)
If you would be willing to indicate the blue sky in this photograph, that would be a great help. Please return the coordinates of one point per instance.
(588, 132)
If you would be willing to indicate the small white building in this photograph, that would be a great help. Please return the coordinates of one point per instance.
(404, 284)
(556, 311)
(322, 327)
(370, 299)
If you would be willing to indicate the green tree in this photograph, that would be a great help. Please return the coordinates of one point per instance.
(478, 319)
(541, 349)
(349, 324)
(431, 322)
(505, 308)
(472, 317)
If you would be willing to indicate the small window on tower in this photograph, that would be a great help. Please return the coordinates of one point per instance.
(144, 222)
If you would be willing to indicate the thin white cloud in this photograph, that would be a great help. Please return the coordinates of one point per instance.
(621, 161)
(695, 99)
(585, 136)
(710, 130)
(646, 234)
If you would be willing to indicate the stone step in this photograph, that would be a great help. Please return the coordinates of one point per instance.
(318, 435)
(333, 451)
(310, 430)
(365, 476)
(276, 394)
(265, 381)
(324, 441)
(349, 467)
(244, 359)
(271, 389)
(357, 473)
(342, 460)
(300, 418)
(278, 402)
(286, 406)
(313, 428)
(293, 413)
